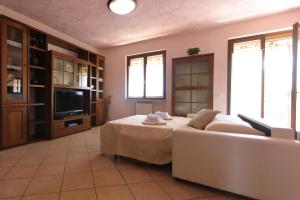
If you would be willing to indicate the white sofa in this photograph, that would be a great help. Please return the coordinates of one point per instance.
(255, 166)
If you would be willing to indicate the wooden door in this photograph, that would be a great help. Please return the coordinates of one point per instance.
(192, 84)
(296, 79)
(13, 62)
(14, 126)
(100, 113)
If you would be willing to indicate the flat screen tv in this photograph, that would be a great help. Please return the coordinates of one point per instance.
(68, 102)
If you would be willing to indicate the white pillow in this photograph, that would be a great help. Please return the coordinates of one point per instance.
(233, 127)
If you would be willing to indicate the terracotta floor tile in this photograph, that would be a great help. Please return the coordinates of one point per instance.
(77, 181)
(123, 164)
(26, 171)
(9, 161)
(229, 197)
(3, 171)
(61, 149)
(148, 191)
(135, 175)
(160, 174)
(42, 185)
(109, 177)
(114, 193)
(74, 157)
(101, 165)
(77, 149)
(50, 169)
(52, 196)
(55, 158)
(77, 142)
(37, 151)
(77, 158)
(75, 167)
(13, 153)
(180, 190)
(13, 188)
(98, 157)
(30, 160)
(93, 148)
(79, 195)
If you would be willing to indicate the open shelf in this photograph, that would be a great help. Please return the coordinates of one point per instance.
(37, 122)
(37, 86)
(37, 104)
(38, 49)
(14, 67)
(14, 44)
(37, 67)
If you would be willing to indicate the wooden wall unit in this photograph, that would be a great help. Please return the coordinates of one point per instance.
(13, 83)
(61, 127)
(28, 80)
(13, 125)
(13, 62)
(39, 87)
(192, 84)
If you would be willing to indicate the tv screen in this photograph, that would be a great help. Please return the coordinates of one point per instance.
(68, 102)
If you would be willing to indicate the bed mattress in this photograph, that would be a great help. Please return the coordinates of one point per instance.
(149, 143)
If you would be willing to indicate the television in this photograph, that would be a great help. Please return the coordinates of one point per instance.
(68, 102)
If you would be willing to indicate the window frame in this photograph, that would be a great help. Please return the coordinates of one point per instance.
(144, 56)
(262, 38)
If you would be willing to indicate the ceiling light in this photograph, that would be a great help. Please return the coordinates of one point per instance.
(121, 7)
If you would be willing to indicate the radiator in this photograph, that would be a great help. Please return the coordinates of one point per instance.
(143, 108)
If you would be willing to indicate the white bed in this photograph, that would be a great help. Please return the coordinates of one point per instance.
(149, 143)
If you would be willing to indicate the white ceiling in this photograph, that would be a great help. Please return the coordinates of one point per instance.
(90, 21)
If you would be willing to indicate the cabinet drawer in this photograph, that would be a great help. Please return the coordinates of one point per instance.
(59, 125)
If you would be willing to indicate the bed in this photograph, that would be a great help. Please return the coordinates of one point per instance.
(148, 143)
(153, 143)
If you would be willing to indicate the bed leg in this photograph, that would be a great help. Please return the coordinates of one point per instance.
(116, 157)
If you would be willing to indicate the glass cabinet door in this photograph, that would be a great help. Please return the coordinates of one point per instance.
(58, 70)
(192, 84)
(63, 71)
(81, 75)
(68, 72)
(14, 71)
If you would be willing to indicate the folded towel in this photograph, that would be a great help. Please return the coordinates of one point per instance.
(152, 119)
(154, 123)
(163, 115)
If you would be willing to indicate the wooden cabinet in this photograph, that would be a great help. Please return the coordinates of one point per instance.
(70, 125)
(100, 113)
(13, 62)
(13, 125)
(192, 84)
(68, 71)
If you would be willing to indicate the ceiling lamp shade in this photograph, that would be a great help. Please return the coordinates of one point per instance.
(121, 7)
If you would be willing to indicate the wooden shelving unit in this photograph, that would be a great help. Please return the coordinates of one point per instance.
(28, 84)
(39, 87)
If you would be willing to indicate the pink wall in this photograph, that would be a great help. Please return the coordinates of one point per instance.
(209, 41)
(51, 31)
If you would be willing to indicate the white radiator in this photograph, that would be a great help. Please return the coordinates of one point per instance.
(143, 108)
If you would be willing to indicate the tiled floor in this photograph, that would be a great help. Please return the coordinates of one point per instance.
(71, 168)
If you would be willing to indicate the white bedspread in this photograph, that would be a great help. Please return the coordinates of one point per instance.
(149, 143)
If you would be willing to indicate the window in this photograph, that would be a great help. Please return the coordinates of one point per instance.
(146, 75)
(260, 74)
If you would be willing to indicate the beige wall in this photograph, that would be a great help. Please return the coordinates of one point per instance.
(209, 41)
